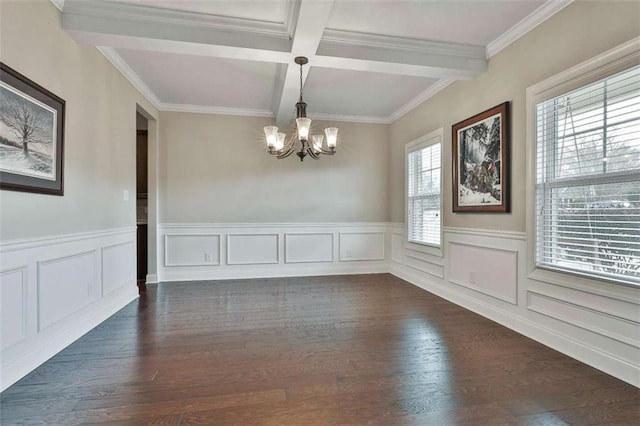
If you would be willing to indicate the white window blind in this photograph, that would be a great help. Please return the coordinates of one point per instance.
(423, 194)
(588, 179)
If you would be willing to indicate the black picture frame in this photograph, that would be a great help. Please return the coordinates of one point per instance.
(481, 169)
(32, 123)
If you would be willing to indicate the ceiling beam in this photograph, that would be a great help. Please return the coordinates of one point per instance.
(139, 27)
(397, 55)
(122, 25)
(309, 25)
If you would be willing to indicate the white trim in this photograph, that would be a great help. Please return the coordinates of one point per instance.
(258, 271)
(597, 287)
(347, 258)
(565, 343)
(429, 139)
(470, 285)
(350, 118)
(292, 9)
(607, 63)
(251, 262)
(537, 17)
(204, 109)
(293, 234)
(91, 297)
(120, 64)
(143, 14)
(534, 19)
(23, 269)
(594, 329)
(414, 254)
(377, 41)
(42, 340)
(430, 92)
(151, 279)
(273, 225)
(55, 342)
(26, 243)
(620, 57)
(212, 262)
(59, 4)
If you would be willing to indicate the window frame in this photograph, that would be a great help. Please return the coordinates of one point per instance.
(424, 141)
(602, 66)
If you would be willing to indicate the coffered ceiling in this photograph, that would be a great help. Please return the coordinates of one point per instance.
(369, 60)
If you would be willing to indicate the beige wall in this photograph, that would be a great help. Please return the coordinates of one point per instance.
(577, 33)
(215, 168)
(99, 145)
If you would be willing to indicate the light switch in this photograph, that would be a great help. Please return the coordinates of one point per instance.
(125, 195)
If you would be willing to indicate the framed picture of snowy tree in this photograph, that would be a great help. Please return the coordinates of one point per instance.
(481, 162)
(31, 135)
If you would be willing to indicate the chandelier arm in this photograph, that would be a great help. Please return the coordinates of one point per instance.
(312, 153)
(327, 151)
(285, 153)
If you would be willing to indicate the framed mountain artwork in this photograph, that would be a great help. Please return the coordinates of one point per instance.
(481, 162)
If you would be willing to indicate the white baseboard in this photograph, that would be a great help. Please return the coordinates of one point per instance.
(57, 288)
(565, 344)
(595, 328)
(84, 322)
(277, 272)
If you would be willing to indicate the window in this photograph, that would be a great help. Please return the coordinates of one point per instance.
(424, 186)
(587, 190)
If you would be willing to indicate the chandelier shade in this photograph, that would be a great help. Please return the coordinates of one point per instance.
(278, 145)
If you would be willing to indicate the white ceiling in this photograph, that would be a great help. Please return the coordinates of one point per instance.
(202, 80)
(369, 60)
(470, 22)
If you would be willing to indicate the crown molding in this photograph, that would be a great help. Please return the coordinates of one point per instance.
(291, 12)
(431, 91)
(350, 118)
(366, 40)
(535, 18)
(59, 4)
(117, 61)
(161, 17)
(205, 109)
(538, 16)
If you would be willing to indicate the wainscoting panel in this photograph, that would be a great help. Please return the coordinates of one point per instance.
(362, 246)
(397, 244)
(192, 250)
(308, 248)
(252, 249)
(606, 324)
(13, 302)
(64, 286)
(55, 289)
(117, 268)
(487, 270)
(281, 250)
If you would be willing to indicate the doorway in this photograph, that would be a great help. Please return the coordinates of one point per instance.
(142, 208)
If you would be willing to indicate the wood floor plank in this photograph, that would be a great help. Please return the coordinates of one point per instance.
(338, 350)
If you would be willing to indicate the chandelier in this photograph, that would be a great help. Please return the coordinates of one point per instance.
(277, 144)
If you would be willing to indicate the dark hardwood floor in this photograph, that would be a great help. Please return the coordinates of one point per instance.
(365, 349)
